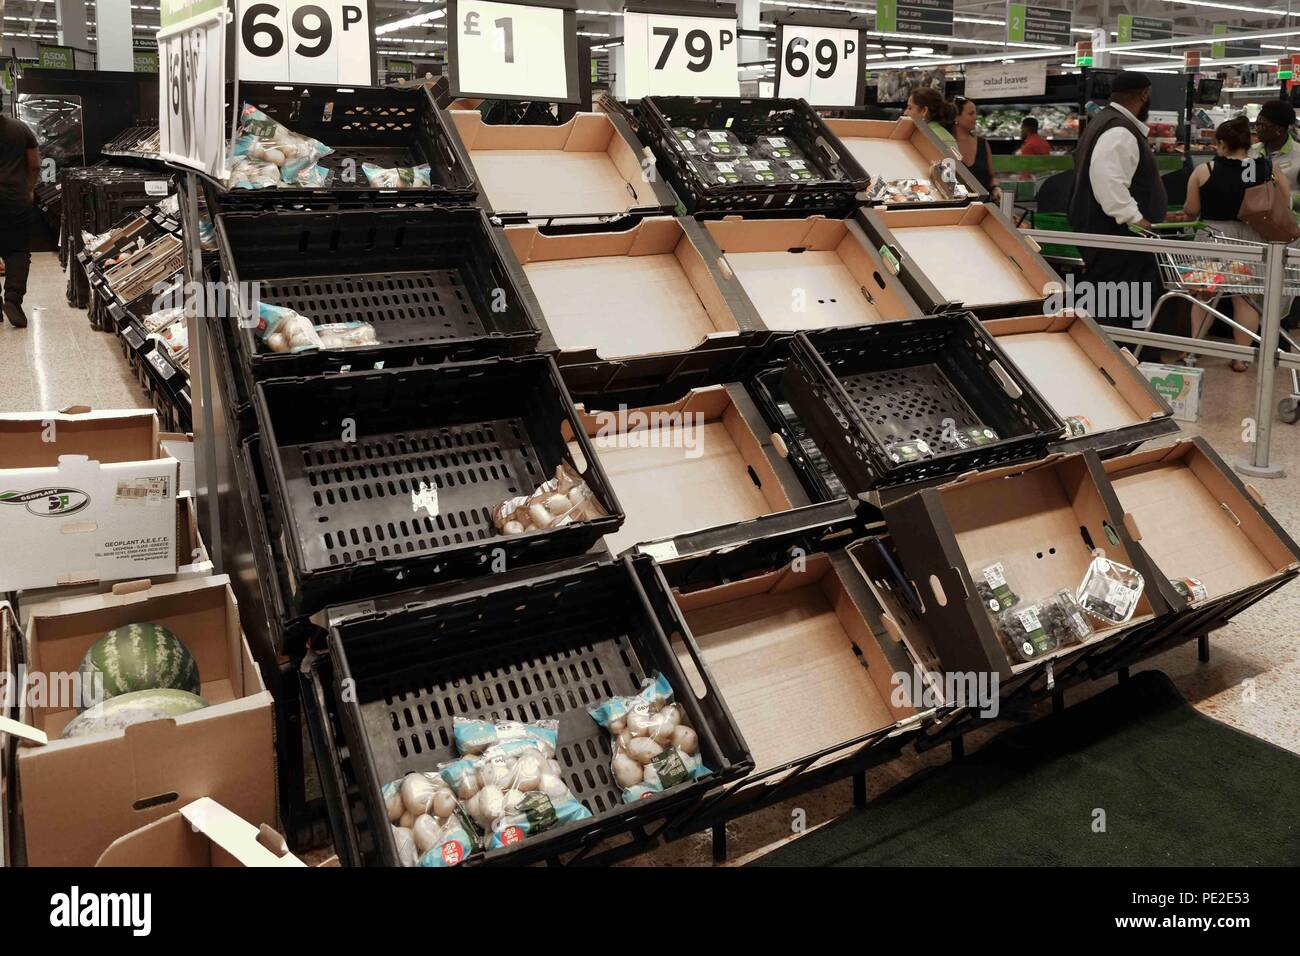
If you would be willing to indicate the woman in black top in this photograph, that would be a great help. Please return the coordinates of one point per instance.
(1214, 193)
(975, 150)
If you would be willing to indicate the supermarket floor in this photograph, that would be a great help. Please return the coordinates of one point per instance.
(1251, 682)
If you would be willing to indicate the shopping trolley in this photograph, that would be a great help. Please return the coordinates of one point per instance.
(1204, 280)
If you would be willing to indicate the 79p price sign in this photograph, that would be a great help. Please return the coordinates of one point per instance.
(518, 51)
(680, 53)
(191, 84)
(823, 64)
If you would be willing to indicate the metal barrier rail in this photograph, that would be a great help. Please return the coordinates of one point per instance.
(1273, 256)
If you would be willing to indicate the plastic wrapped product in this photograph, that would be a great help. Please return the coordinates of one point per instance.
(346, 335)
(777, 147)
(993, 589)
(432, 826)
(654, 747)
(1065, 619)
(906, 452)
(969, 437)
(561, 500)
(721, 174)
(401, 177)
(263, 143)
(509, 781)
(685, 137)
(719, 144)
(157, 321)
(758, 171)
(1076, 426)
(798, 171)
(1192, 589)
(1025, 633)
(283, 330)
(1110, 591)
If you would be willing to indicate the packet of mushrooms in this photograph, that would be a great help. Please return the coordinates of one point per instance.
(561, 500)
(654, 747)
(430, 825)
(268, 154)
(508, 779)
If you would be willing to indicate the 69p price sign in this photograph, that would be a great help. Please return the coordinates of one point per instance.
(679, 55)
(825, 65)
(191, 84)
(521, 51)
(305, 41)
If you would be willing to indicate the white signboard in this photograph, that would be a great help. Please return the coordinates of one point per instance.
(305, 41)
(678, 56)
(191, 95)
(1018, 79)
(823, 65)
(512, 50)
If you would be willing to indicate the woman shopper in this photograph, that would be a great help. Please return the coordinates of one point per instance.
(927, 106)
(975, 150)
(1214, 193)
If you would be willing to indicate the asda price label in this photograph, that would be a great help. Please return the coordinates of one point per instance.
(679, 56)
(191, 92)
(526, 51)
(305, 41)
(824, 65)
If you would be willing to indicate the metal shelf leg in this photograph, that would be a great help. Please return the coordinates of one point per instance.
(1266, 364)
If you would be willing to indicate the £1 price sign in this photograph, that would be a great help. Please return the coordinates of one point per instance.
(679, 56)
(305, 41)
(824, 65)
(191, 91)
(521, 51)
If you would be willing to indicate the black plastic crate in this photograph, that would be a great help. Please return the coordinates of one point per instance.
(546, 648)
(434, 282)
(474, 433)
(842, 176)
(862, 392)
(386, 126)
(816, 473)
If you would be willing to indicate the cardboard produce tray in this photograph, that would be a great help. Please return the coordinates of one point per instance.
(435, 283)
(969, 257)
(892, 150)
(842, 178)
(568, 640)
(802, 275)
(405, 493)
(588, 170)
(871, 397)
(644, 307)
(1090, 383)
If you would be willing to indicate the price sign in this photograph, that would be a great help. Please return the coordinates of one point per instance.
(824, 65)
(305, 41)
(522, 51)
(191, 85)
(679, 55)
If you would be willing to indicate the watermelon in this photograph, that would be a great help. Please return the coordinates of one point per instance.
(137, 657)
(134, 707)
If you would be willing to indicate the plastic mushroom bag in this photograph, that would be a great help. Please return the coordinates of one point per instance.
(268, 154)
(561, 500)
(509, 781)
(430, 825)
(281, 329)
(403, 177)
(654, 746)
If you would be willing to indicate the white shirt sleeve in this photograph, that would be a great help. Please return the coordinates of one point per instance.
(1114, 161)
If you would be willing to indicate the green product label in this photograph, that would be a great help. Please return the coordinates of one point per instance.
(887, 254)
(670, 768)
(539, 810)
(1170, 387)
(887, 16)
(1016, 22)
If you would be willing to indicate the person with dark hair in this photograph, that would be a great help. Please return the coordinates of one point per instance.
(1214, 193)
(1273, 127)
(1033, 145)
(926, 106)
(1117, 184)
(975, 150)
(20, 161)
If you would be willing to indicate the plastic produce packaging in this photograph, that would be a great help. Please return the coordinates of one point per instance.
(778, 147)
(1025, 632)
(508, 779)
(561, 500)
(993, 589)
(267, 154)
(719, 144)
(798, 171)
(1110, 591)
(654, 746)
(281, 329)
(402, 177)
(1192, 589)
(430, 824)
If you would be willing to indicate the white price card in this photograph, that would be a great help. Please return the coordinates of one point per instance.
(191, 88)
(675, 55)
(523, 51)
(824, 65)
(305, 41)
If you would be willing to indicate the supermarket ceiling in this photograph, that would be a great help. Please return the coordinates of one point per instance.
(418, 29)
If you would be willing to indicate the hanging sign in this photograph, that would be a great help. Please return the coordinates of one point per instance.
(518, 51)
(191, 84)
(1137, 29)
(680, 53)
(1030, 23)
(925, 17)
(823, 64)
(1000, 80)
(292, 41)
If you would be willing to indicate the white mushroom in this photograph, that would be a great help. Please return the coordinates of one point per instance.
(686, 740)
(627, 771)
(643, 750)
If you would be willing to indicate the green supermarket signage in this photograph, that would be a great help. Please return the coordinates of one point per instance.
(56, 58)
(145, 61)
(1136, 29)
(923, 17)
(1031, 23)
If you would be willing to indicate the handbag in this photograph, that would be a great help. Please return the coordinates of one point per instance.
(1266, 208)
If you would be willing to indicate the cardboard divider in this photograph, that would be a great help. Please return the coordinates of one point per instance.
(970, 256)
(890, 150)
(814, 273)
(796, 660)
(202, 834)
(680, 467)
(585, 167)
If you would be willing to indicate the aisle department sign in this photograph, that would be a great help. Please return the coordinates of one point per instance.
(1233, 48)
(925, 17)
(1135, 29)
(1030, 23)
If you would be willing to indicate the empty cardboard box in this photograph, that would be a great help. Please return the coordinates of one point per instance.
(142, 773)
(202, 834)
(634, 307)
(895, 150)
(1092, 385)
(587, 168)
(809, 274)
(970, 257)
(1041, 522)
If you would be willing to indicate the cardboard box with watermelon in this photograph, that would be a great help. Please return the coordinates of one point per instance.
(1179, 385)
(167, 707)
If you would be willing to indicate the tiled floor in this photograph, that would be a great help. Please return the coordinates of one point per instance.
(1252, 680)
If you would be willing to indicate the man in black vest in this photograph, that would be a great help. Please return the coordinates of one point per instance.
(1117, 183)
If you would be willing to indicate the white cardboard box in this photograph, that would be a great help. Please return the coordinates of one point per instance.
(1179, 385)
(85, 496)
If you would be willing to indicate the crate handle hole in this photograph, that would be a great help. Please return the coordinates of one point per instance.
(753, 476)
(687, 662)
(937, 587)
(156, 801)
